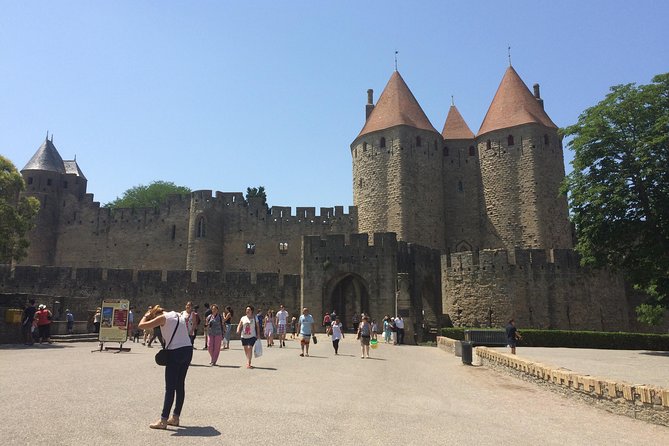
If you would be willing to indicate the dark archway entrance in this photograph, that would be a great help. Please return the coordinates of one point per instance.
(347, 295)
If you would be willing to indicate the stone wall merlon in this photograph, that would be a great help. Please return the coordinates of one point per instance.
(267, 279)
(236, 278)
(202, 194)
(119, 275)
(179, 277)
(210, 277)
(88, 274)
(148, 276)
(359, 239)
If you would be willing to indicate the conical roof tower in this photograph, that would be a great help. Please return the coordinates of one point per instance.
(455, 126)
(396, 106)
(397, 168)
(46, 158)
(514, 105)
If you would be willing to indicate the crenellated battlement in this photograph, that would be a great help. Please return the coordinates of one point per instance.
(173, 278)
(519, 259)
(335, 244)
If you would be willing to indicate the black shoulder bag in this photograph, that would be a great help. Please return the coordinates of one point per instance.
(163, 354)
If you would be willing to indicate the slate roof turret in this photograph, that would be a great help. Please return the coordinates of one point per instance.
(46, 158)
(513, 105)
(455, 126)
(396, 106)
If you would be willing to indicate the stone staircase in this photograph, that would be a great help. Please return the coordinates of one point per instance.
(82, 337)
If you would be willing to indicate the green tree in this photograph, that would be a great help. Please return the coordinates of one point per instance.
(254, 192)
(143, 196)
(17, 213)
(619, 188)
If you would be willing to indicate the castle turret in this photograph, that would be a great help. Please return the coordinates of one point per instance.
(522, 167)
(462, 185)
(205, 233)
(397, 173)
(43, 176)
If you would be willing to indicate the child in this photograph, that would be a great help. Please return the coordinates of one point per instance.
(374, 328)
(293, 326)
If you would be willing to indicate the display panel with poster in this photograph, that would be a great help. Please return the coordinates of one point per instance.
(114, 323)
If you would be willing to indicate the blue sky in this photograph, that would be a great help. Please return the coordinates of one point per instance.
(225, 95)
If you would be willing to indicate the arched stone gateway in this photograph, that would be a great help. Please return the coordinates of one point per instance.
(347, 294)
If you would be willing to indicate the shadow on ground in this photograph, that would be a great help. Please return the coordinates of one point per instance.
(196, 431)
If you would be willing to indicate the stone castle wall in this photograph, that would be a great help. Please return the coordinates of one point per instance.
(538, 288)
(239, 235)
(82, 289)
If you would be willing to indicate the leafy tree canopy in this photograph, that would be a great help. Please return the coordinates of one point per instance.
(152, 195)
(256, 192)
(17, 213)
(619, 188)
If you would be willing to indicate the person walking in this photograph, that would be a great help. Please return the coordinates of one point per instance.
(293, 327)
(281, 321)
(207, 312)
(96, 320)
(327, 323)
(248, 329)
(337, 334)
(356, 322)
(269, 327)
(399, 327)
(306, 324)
(512, 335)
(27, 322)
(69, 317)
(260, 319)
(215, 328)
(131, 323)
(364, 334)
(387, 330)
(179, 359)
(227, 322)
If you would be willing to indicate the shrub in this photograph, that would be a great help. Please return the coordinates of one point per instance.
(580, 339)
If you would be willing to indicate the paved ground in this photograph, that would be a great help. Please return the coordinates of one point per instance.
(407, 395)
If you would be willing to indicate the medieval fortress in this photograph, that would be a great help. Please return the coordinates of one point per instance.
(446, 227)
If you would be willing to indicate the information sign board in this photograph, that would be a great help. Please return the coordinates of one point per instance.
(114, 321)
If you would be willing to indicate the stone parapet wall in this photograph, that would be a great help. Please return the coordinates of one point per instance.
(644, 402)
(539, 288)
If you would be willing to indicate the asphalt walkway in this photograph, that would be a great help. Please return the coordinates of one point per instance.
(407, 395)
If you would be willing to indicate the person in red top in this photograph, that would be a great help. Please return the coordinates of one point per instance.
(327, 322)
(43, 316)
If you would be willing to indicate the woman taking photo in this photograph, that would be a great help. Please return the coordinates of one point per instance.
(180, 354)
(248, 330)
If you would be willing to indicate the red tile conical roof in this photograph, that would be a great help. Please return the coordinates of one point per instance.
(455, 126)
(513, 105)
(396, 106)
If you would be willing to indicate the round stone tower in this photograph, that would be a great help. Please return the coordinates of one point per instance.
(522, 168)
(43, 176)
(397, 173)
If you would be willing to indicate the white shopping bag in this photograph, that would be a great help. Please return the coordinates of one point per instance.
(257, 349)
